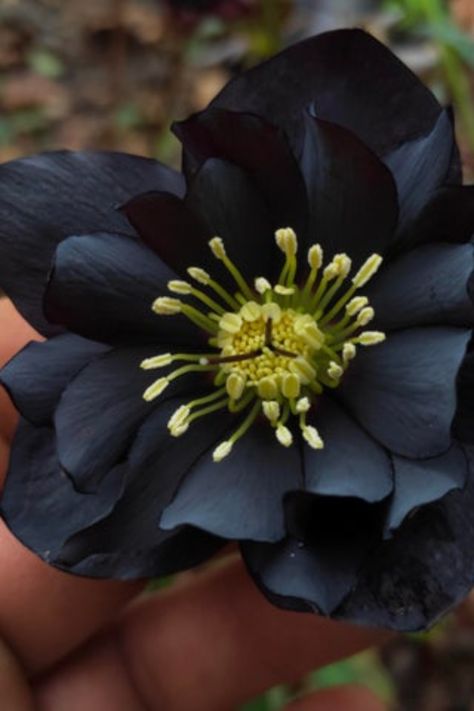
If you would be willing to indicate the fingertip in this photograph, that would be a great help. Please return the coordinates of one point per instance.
(15, 333)
(341, 698)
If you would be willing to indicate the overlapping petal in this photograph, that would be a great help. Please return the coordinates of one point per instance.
(404, 391)
(103, 286)
(78, 194)
(58, 360)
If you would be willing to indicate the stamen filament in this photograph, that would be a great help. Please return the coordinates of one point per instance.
(218, 250)
(207, 410)
(225, 296)
(213, 305)
(200, 319)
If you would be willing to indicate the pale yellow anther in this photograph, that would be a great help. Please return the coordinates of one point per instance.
(356, 304)
(303, 405)
(348, 352)
(290, 385)
(177, 286)
(284, 436)
(178, 417)
(334, 370)
(157, 361)
(251, 311)
(166, 306)
(217, 248)
(199, 275)
(230, 322)
(283, 290)
(267, 388)
(302, 369)
(367, 270)
(222, 450)
(155, 389)
(315, 256)
(370, 338)
(332, 270)
(271, 410)
(235, 385)
(305, 326)
(343, 263)
(313, 437)
(262, 285)
(365, 316)
(178, 430)
(272, 310)
(287, 241)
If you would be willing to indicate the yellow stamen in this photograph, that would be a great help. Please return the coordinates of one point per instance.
(271, 410)
(367, 270)
(370, 338)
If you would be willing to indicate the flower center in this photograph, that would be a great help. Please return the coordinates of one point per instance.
(275, 347)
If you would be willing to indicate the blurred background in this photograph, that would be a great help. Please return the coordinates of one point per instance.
(113, 74)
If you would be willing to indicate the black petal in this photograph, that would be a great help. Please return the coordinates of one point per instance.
(100, 411)
(448, 217)
(257, 147)
(351, 79)
(231, 205)
(37, 375)
(175, 232)
(419, 482)
(103, 285)
(463, 425)
(242, 496)
(351, 463)
(403, 390)
(320, 570)
(420, 167)
(39, 503)
(78, 193)
(428, 567)
(429, 285)
(352, 195)
(173, 552)
(129, 542)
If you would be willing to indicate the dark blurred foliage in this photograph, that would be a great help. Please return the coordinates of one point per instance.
(114, 73)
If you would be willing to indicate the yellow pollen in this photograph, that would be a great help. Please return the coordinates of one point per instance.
(286, 241)
(179, 287)
(199, 275)
(230, 323)
(217, 247)
(367, 270)
(271, 410)
(284, 436)
(262, 285)
(222, 450)
(315, 256)
(166, 306)
(313, 437)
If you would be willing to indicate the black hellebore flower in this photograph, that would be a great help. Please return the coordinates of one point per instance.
(303, 382)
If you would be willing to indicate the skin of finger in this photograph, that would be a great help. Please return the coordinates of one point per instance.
(44, 613)
(209, 645)
(343, 698)
(15, 333)
(15, 692)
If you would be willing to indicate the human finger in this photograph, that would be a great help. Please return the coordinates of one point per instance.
(15, 691)
(15, 332)
(209, 644)
(341, 698)
(44, 613)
